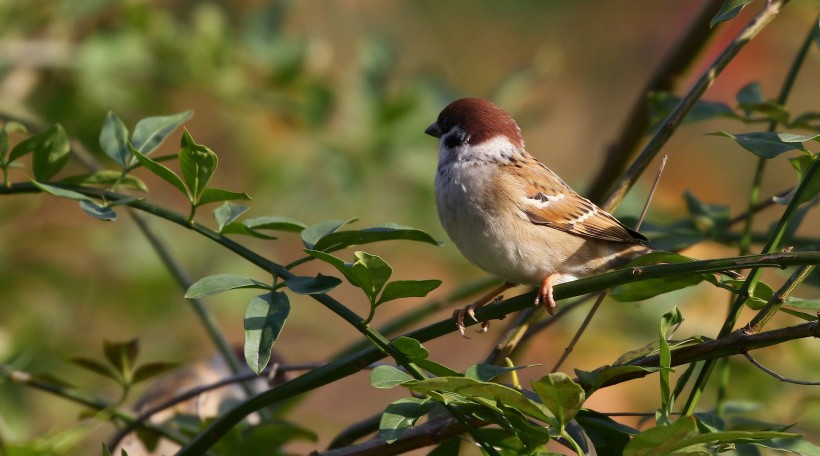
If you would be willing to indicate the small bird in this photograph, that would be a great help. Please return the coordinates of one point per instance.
(512, 216)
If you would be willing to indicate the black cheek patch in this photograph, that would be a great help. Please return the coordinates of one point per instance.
(454, 138)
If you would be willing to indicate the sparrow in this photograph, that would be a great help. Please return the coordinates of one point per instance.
(512, 216)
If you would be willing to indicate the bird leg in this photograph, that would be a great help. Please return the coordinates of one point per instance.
(460, 314)
(544, 295)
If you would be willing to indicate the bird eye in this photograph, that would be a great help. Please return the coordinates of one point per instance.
(445, 123)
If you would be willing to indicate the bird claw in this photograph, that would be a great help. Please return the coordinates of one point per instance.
(460, 314)
(544, 296)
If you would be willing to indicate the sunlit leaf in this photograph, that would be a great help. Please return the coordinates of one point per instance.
(412, 348)
(215, 195)
(311, 235)
(597, 378)
(265, 317)
(215, 284)
(487, 372)
(728, 10)
(341, 239)
(61, 192)
(114, 139)
(560, 395)
(198, 164)
(401, 415)
(99, 212)
(49, 151)
(150, 132)
(483, 391)
(768, 144)
(227, 213)
(385, 377)
(163, 172)
(106, 177)
(801, 164)
(275, 223)
(407, 289)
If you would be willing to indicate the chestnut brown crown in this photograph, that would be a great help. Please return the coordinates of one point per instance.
(473, 121)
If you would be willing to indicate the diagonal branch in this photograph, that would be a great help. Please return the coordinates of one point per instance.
(671, 123)
(673, 65)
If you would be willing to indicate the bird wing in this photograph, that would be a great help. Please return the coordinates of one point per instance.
(549, 201)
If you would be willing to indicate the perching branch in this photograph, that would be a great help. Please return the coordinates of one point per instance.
(738, 343)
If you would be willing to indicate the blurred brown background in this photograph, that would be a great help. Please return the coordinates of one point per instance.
(317, 109)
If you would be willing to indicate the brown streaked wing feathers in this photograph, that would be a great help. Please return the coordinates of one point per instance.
(564, 213)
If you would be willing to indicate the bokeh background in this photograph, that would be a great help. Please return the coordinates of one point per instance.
(317, 109)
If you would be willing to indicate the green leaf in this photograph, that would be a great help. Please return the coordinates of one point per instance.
(386, 377)
(338, 240)
(268, 437)
(401, 415)
(4, 144)
(151, 370)
(313, 285)
(215, 284)
(668, 321)
(99, 212)
(683, 434)
(751, 93)
(227, 213)
(487, 372)
(560, 395)
(215, 195)
(61, 192)
(264, 319)
(407, 289)
(597, 378)
(410, 347)
(796, 445)
(768, 144)
(368, 272)
(114, 139)
(275, 223)
(314, 233)
(804, 120)
(106, 177)
(95, 366)
(808, 304)
(728, 10)
(607, 435)
(121, 355)
(240, 228)
(49, 150)
(645, 289)
(150, 132)
(710, 219)
(482, 392)
(160, 170)
(801, 164)
(662, 103)
(198, 164)
(416, 352)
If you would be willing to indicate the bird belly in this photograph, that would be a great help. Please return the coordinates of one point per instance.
(500, 239)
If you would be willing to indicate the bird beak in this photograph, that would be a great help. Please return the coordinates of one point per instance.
(434, 130)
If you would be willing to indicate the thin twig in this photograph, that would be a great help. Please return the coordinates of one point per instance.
(670, 124)
(676, 61)
(145, 415)
(603, 294)
(777, 299)
(776, 375)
